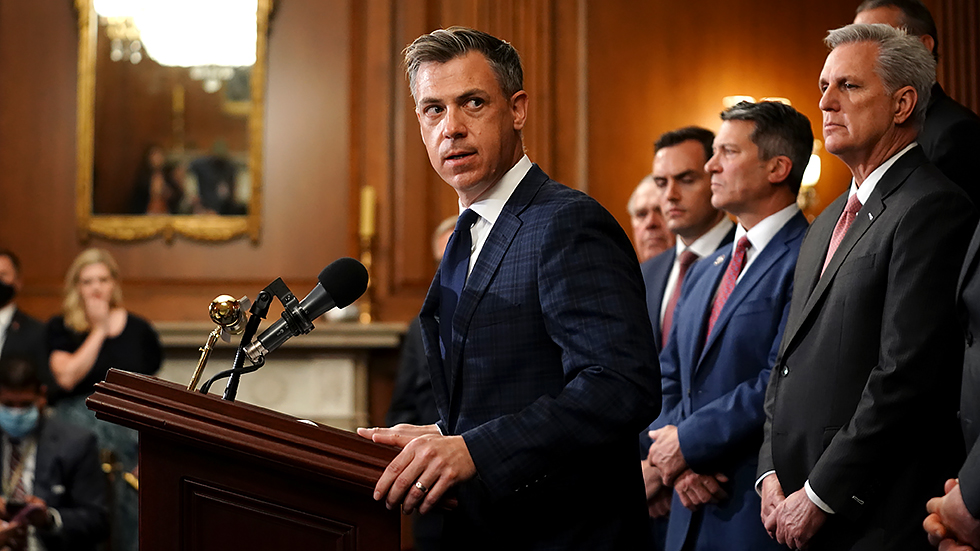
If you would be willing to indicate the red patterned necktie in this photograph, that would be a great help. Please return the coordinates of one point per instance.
(687, 258)
(840, 230)
(728, 282)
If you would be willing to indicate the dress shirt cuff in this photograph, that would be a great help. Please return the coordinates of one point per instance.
(55, 524)
(758, 482)
(816, 499)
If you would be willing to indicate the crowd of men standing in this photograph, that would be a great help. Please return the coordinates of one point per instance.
(810, 374)
(853, 343)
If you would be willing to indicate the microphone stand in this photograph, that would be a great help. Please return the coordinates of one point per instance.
(260, 308)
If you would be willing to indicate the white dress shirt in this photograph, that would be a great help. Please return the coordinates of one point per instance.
(703, 247)
(489, 206)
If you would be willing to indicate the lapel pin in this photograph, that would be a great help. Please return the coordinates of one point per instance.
(719, 260)
(871, 216)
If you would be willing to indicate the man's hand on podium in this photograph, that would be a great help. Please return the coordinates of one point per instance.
(428, 466)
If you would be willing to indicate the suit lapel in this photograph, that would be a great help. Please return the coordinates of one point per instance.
(866, 217)
(501, 236)
(702, 303)
(430, 337)
(775, 250)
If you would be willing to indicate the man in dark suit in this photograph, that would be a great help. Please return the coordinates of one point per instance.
(951, 132)
(20, 334)
(49, 466)
(953, 523)
(870, 353)
(684, 188)
(650, 234)
(543, 368)
(726, 331)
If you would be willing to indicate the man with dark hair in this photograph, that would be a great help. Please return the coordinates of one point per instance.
(650, 234)
(20, 334)
(684, 185)
(951, 132)
(50, 469)
(870, 354)
(727, 326)
(679, 172)
(542, 366)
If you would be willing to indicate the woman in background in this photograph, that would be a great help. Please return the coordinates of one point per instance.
(93, 334)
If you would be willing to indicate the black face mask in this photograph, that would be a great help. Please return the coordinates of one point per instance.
(7, 293)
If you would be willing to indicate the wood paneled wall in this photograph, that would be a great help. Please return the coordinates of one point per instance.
(305, 214)
(959, 49)
(604, 79)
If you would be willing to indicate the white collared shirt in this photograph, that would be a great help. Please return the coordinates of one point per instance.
(872, 180)
(703, 247)
(762, 233)
(6, 317)
(489, 206)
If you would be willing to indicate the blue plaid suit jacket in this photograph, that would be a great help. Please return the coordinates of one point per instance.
(552, 372)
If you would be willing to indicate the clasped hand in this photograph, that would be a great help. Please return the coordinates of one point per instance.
(950, 526)
(435, 461)
(793, 520)
(693, 489)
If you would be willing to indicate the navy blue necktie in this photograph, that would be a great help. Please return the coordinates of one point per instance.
(452, 277)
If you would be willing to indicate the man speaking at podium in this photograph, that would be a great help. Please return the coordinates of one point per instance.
(540, 350)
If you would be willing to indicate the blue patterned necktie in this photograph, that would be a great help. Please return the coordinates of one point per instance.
(452, 277)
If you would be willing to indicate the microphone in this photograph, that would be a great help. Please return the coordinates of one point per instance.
(340, 284)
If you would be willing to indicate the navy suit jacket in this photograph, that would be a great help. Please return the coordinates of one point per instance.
(656, 272)
(68, 478)
(714, 390)
(552, 372)
(870, 357)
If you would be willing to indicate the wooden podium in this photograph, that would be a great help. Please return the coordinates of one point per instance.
(219, 475)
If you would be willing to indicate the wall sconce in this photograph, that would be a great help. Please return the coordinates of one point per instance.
(784, 101)
(729, 101)
(812, 173)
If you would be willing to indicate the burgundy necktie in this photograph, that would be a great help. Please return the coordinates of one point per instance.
(728, 282)
(840, 230)
(687, 258)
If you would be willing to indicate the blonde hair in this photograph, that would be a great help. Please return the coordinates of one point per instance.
(73, 306)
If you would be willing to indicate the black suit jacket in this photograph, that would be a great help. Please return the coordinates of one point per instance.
(26, 338)
(68, 478)
(968, 309)
(552, 372)
(862, 398)
(949, 138)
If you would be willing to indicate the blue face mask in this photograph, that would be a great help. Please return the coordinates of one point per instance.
(18, 422)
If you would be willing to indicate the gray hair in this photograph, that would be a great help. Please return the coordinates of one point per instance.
(902, 60)
(631, 204)
(443, 45)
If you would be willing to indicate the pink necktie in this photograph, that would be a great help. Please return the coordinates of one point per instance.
(840, 230)
(686, 259)
(728, 282)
